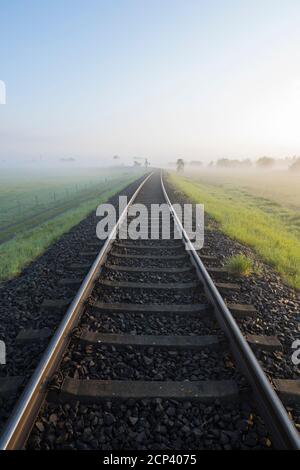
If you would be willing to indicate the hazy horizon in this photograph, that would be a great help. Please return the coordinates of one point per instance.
(158, 80)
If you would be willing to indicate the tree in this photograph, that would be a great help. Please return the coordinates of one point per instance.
(265, 162)
(180, 165)
(196, 163)
(224, 162)
(233, 163)
(296, 165)
(247, 162)
(228, 163)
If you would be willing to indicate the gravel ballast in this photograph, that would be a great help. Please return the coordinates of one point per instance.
(148, 324)
(149, 425)
(129, 363)
(22, 297)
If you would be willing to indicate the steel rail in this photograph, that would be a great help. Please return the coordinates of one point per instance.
(282, 431)
(25, 412)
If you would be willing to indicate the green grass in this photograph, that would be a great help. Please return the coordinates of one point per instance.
(239, 265)
(274, 237)
(28, 200)
(29, 244)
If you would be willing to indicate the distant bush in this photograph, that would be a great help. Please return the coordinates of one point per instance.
(296, 165)
(232, 163)
(265, 162)
(226, 162)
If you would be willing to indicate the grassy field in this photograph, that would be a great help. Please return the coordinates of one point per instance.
(270, 225)
(28, 199)
(277, 186)
(25, 234)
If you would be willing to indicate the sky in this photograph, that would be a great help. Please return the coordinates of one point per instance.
(160, 79)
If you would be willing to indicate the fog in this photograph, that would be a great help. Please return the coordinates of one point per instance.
(278, 183)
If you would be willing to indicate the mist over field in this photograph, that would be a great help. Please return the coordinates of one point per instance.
(279, 185)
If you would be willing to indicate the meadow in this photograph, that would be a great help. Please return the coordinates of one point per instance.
(259, 209)
(276, 186)
(36, 208)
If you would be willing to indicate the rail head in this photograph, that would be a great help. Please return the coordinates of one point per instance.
(23, 416)
(282, 430)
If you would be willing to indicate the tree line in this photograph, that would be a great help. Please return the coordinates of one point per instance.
(262, 162)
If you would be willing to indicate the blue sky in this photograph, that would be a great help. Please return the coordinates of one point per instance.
(161, 79)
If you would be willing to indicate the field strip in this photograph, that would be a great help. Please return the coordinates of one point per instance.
(47, 214)
(277, 243)
(17, 253)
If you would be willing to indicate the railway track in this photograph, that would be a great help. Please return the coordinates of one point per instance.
(148, 356)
